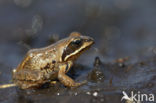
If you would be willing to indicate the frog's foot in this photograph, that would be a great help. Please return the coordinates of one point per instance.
(64, 79)
(68, 82)
(53, 82)
(84, 82)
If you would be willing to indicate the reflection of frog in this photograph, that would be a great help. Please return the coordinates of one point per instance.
(47, 64)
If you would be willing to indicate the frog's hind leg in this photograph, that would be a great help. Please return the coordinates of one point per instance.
(27, 79)
(66, 80)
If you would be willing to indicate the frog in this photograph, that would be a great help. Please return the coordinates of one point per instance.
(51, 63)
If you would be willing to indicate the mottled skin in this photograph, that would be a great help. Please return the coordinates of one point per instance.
(45, 65)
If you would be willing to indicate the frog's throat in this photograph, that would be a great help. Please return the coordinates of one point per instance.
(77, 52)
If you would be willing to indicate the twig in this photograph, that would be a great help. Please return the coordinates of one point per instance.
(7, 86)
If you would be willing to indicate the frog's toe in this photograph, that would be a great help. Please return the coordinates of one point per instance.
(84, 82)
(53, 82)
(80, 84)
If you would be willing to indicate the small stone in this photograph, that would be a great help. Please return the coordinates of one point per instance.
(102, 100)
(122, 65)
(76, 93)
(14, 70)
(88, 93)
(58, 93)
(95, 94)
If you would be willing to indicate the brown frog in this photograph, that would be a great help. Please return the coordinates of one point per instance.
(51, 63)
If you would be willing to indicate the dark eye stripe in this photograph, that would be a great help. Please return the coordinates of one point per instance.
(72, 47)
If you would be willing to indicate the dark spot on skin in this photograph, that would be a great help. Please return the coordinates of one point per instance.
(47, 66)
(53, 61)
(54, 50)
(67, 68)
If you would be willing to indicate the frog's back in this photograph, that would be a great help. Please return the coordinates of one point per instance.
(36, 59)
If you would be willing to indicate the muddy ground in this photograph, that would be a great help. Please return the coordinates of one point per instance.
(122, 59)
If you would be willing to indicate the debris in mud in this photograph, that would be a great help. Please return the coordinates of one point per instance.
(129, 67)
(96, 74)
(23, 3)
(53, 38)
(30, 34)
(142, 63)
(75, 93)
(97, 62)
(88, 93)
(110, 81)
(121, 61)
(95, 94)
(25, 45)
(58, 94)
(37, 24)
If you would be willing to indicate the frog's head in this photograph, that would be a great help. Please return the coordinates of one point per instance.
(75, 45)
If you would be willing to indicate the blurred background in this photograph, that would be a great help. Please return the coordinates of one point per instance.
(121, 28)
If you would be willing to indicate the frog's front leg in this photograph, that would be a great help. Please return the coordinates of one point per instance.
(64, 79)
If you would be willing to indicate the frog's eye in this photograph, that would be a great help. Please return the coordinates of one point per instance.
(77, 42)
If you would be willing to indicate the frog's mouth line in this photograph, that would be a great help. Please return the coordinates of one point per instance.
(77, 53)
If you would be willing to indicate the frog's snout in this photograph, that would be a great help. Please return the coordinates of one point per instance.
(90, 40)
